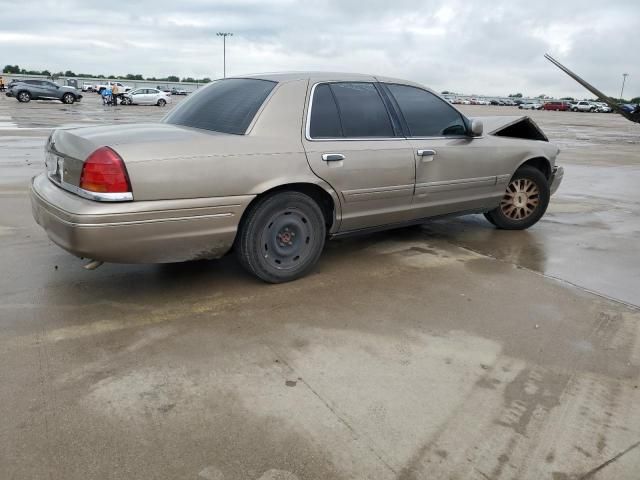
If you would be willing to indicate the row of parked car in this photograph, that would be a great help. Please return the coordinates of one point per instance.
(37, 89)
(558, 105)
(565, 106)
(98, 88)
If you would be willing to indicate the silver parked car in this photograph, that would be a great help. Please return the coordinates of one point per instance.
(146, 96)
(272, 165)
(26, 90)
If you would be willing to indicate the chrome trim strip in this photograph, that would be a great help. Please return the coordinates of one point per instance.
(138, 222)
(95, 196)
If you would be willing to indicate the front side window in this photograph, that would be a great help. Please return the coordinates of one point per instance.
(226, 106)
(427, 115)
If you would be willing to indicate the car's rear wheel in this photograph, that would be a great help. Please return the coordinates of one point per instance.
(162, 103)
(281, 237)
(524, 202)
(68, 98)
(24, 96)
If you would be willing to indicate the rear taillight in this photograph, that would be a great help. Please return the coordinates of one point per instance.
(104, 172)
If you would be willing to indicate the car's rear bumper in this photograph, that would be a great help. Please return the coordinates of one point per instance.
(556, 179)
(160, 231)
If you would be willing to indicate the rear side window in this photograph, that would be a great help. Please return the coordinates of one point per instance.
(362, 111)
(226, 106)
(427, 115)
(325, 120)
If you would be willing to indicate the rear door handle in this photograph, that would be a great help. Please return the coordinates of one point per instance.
(332, 157)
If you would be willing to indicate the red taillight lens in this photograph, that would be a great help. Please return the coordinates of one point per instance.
(104, 172)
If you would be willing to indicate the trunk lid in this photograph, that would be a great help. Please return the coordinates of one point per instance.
(67, 149)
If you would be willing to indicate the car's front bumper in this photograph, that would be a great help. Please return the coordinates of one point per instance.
(556, 179)
(160, 231)
(9, 93)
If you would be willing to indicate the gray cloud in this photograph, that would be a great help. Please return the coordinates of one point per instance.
(494, 47)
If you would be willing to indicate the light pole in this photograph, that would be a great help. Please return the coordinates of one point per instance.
(624, 78)
(224, 36)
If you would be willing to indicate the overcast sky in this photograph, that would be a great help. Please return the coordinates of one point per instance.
(494, 47)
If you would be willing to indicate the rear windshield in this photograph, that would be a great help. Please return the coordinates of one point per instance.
(226, 106)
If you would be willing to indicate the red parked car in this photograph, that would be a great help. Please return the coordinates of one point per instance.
(560, 106)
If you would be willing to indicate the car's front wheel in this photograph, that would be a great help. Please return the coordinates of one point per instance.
(68, 98)
(524, 202)
(162, 103)
(24, 96)
(281, 237)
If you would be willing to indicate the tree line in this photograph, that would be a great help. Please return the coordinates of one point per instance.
(15, 69)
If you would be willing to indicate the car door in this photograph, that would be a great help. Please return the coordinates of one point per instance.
(153, 97)
(36, 88)
(351, 143)
(50, 90)
(142, 97)
(455, 172)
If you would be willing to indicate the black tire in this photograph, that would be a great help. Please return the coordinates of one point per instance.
(162, 103)
(525, 200)
(574, 109)
(68, 98)
(281, 237)
(23, 96)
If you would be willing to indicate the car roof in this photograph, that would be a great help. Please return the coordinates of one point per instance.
(314, 76)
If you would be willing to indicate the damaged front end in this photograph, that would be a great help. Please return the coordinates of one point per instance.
(512, 126)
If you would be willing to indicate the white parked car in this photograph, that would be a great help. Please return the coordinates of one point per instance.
(146, 96)
(530, 106)
(602, 107)
(88, 87)
(583, 106)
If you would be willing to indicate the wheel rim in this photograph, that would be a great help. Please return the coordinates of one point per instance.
(67, 98)
(521, 200)
(24, 96)
(286, 239)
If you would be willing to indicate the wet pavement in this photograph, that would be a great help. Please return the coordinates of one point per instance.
(451, 350)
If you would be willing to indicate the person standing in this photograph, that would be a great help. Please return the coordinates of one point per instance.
(114, 92)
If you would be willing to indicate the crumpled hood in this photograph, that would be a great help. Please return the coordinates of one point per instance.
(517, 126)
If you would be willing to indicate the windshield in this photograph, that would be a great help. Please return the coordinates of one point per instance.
(226, 106)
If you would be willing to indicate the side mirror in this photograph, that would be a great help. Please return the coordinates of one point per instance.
(476, 128)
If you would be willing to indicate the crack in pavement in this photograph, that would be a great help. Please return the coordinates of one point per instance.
(595, 470)
(342, 420)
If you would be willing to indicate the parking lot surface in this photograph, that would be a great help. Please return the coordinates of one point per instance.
(446, 351)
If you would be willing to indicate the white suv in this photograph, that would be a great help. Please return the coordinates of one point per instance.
(583, 106)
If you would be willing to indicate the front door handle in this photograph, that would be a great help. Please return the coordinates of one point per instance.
(332, 157)
(426, 153)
